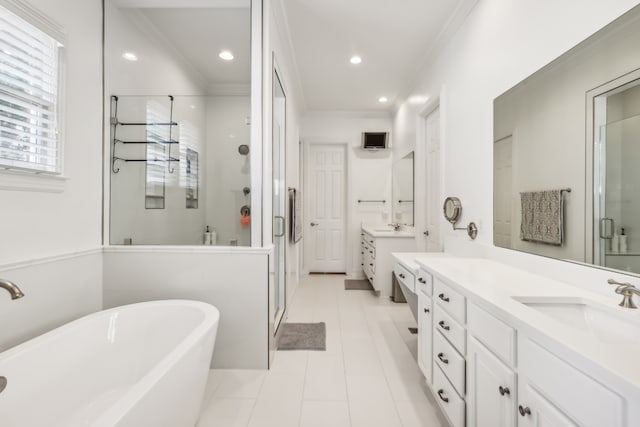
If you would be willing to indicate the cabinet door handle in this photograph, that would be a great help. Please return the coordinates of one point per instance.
(524, 410)
(421, 280)
(361, 253)
(504, 390)
(426, 310)
(444, 325)
(442, 358)
(442, 397)
(443, 298)
(370, 252)
(371, 264)
(402, 276)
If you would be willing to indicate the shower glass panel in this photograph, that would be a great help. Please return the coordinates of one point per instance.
(617, 203)
(180, 165)
(279, 199)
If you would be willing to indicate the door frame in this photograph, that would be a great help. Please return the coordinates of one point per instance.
(307, 144)
(420, 173)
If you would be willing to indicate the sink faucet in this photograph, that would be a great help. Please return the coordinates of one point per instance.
(626, 290)
(12, 288)
(395, 225)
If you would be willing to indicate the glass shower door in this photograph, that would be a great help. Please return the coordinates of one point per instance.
(279, 200)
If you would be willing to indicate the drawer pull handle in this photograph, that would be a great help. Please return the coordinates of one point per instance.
(524, 411)
(444, 325)
(443, 360)
(370, 252)
(504, 390)
(371, 264)
(426, 310)
(361, 253)
(444, 398)
(421, 280)
(443, 298)
(371, 241)
(402, 276)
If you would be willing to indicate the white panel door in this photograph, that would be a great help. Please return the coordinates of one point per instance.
(434, 201)
(491, 389)
(502, 197)
(326, 228)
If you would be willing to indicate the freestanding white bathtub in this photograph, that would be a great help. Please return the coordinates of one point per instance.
(140, 365)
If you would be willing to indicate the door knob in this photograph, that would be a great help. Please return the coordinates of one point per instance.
(313, 224)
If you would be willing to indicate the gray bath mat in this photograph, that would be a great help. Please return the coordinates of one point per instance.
(303, 336)
(357, 285)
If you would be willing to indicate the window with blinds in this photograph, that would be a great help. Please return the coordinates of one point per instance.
(29, 84)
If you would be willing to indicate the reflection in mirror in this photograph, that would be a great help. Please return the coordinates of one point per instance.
(179, 133)
(402, 191)
(556, 192)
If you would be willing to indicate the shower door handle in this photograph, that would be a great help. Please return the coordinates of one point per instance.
(281, 228)
(606, 233)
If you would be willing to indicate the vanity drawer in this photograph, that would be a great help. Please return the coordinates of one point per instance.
(452, 404)
(450, 361)
(449, 328)
(424, 282)
(450, 300)
(493, 333)
(405, 276)
(368, 249)
(369, 239)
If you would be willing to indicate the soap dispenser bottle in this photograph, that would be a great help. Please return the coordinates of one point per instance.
(615, 242)
(623, 241)
(206, 239)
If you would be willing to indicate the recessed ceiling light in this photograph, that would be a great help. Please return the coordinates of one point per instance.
(382, 99)
(130, 56)
(418, 99)
(355, 59)
(226, 55)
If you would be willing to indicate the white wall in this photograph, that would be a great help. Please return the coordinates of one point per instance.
(368, 173)
(232, 281)
(500, 43)
(40, 231)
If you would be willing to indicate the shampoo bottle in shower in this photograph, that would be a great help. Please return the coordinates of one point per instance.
(213, 240)
(623, 241)
(615, 242)
(206, 239)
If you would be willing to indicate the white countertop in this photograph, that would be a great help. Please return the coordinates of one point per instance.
(492, 286)
(408, 259)
(386, 231)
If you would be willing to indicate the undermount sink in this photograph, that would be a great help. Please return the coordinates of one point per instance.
(604, 323)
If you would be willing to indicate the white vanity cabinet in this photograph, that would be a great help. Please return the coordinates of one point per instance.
(491, 366)
(377, 261)
(491, 389)
(424, 289)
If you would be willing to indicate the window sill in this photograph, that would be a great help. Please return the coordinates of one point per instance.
(31, 181)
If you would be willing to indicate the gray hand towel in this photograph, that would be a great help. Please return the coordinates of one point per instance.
(542, 217)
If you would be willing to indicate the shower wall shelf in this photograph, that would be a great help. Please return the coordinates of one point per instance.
(169, 142)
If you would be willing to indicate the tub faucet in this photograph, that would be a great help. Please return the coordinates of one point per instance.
(12, 288)
(626, 290)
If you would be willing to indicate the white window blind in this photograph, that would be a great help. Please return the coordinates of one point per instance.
(29, 84)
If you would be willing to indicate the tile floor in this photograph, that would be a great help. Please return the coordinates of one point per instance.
(368, 377)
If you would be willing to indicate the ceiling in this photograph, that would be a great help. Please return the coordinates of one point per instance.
(199, 35)
(393, 37)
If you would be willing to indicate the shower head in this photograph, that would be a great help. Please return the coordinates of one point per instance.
(243, 149)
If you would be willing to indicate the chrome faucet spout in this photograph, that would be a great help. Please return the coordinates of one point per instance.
(12, 288)
(627, 290)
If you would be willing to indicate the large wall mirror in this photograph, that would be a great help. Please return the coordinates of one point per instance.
(566, 154)
(402, 192)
